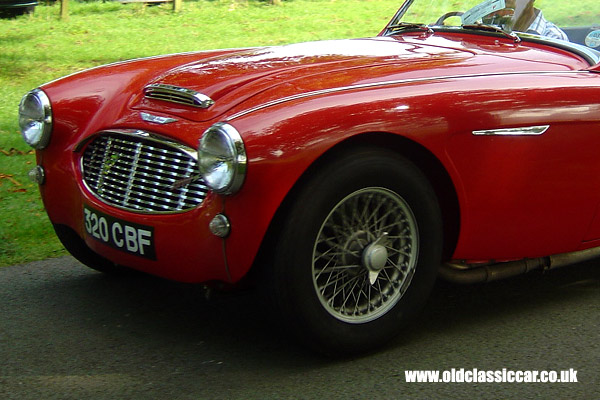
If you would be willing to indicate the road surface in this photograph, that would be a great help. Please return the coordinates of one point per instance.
(67, 332)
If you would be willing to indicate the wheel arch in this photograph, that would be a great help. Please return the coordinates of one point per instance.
(421, 157)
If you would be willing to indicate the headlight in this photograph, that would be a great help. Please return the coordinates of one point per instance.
(222, 159)
(35, 119)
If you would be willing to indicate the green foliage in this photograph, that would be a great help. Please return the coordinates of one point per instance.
(41, 47)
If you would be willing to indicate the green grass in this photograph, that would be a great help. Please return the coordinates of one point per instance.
(38, 48)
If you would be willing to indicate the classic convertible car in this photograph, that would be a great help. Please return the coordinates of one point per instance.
(342, 177)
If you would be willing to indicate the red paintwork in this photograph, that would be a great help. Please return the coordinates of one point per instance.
(525, 196)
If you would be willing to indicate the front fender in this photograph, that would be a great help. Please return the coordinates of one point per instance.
(282, 142)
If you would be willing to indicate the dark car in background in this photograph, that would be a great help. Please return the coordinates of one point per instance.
(12, 8)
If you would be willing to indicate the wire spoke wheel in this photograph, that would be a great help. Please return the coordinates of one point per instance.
(357, 251)
(365, 255)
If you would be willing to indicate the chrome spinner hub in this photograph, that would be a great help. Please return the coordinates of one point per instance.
(375, 257)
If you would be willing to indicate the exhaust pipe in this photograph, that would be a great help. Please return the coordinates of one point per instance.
(464, 274)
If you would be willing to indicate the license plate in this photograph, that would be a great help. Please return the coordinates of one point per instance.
(122, 235)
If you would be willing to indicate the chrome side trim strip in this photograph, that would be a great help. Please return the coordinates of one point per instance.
(386, 83)
(524, 131)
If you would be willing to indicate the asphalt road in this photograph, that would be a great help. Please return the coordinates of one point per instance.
(67, 332)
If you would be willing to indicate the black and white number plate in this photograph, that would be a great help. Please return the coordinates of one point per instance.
(122, 235)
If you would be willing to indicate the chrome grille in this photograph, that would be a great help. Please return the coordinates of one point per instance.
(141, 172)
(176, 94)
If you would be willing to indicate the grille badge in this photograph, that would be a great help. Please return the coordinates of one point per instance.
(185, 181)
(156, 118)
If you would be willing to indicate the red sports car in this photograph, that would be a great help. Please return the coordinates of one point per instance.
(343, 176)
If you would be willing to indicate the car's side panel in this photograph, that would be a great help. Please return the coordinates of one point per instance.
(545, 183)
(527, 196)
(284, 137)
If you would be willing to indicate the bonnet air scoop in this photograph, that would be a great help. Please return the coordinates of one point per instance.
(179, 95)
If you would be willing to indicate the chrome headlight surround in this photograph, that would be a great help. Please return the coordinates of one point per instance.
(222, 158)
(35, 119)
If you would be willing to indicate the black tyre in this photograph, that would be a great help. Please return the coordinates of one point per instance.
(358, 252)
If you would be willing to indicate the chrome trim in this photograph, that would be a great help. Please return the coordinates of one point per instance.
(240, 158)
(524, 131)
(179, 95)
(220, 226)
(387, 83)
(154, 137)
(140, 177)
(47, 119)
(591, 56)
(46, 105)
(37, 175)
(157, 119)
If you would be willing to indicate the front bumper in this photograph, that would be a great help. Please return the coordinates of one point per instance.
(184, 249)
